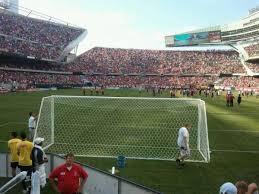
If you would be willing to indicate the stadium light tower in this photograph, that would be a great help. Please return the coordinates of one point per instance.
(11, 5)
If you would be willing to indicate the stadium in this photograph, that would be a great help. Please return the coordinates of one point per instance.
(123, 107)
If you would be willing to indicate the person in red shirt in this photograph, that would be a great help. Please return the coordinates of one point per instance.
(71, 177)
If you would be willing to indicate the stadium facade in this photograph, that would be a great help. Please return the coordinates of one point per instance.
(244, 30)
(242, 36)
(10, 5)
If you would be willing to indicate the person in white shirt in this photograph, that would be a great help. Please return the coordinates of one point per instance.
(39, 159)
(183, 143)
(31, 125)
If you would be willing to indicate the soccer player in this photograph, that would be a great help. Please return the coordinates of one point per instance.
(12, 146)
(183, 143)
(24, 149)
(71, 177)
(31, 125)
(239, 98)
(84, 91)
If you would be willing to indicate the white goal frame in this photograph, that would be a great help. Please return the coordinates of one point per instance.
(47, 121)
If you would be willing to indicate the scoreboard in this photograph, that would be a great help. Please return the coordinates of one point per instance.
(190, 39)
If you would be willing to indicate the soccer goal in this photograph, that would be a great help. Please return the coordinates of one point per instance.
(139, 128)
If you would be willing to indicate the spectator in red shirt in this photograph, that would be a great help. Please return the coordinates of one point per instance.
(70, 177)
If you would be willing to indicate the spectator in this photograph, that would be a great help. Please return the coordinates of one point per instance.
(71, 177)
(228, 188)
(252, 188)
(242, 187)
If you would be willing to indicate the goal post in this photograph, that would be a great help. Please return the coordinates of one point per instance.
(138, 128)
(45, 123)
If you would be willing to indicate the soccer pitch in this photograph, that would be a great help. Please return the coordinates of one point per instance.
(233, 136)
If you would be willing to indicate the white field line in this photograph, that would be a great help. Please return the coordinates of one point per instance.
(4, 124)
(232, 130)
(7, 123)
(236, 151)
(174, 148)
(120, 145)
(121, 126)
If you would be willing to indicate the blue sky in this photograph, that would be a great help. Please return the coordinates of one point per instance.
(140, 23)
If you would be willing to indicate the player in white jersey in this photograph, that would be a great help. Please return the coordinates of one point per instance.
(31, 125)
(183, 143)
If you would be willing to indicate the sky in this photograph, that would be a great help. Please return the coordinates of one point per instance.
(140, 24)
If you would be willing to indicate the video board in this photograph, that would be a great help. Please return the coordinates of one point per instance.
(194, 38)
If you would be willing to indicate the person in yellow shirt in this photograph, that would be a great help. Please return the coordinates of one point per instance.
(12, 146)
(24, 149)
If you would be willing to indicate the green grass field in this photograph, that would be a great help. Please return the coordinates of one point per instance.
(233, 136)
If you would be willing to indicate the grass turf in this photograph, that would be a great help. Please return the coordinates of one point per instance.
(231, 129)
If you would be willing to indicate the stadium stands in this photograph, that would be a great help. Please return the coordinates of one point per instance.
(253, 66)
(26, 36)
(127, 61)
(241, 82)
(252, 50)
(150, 81)
(31, 79)
(110, 67)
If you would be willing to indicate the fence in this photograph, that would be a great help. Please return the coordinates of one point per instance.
(99, 182)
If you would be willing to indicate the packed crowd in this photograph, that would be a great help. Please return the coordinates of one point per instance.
(32, 79)
(150, 81)
(36, 30)
(241, 81)
(32, 37)
(141, 63)
(34, 66)
(126, 61)
(252, 50)
(28, 48)
(254, 67)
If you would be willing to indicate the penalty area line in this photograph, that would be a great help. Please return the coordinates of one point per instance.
(233, 130)
(4, 124)
(9, 123)
(236, 151)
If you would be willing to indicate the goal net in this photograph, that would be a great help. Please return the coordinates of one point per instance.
(139, 128)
